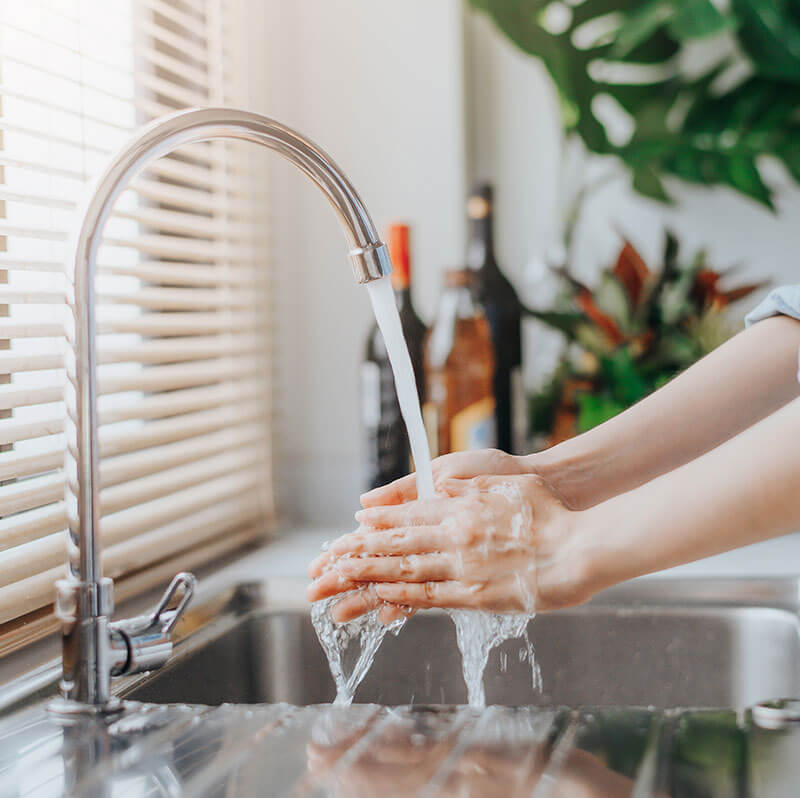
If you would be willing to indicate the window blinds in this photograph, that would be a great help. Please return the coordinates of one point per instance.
(182, 290)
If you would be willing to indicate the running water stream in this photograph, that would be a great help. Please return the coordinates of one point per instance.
(351, 647)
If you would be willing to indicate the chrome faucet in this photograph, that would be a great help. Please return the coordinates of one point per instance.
(94, 648)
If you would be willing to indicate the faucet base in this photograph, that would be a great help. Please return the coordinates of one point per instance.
(66, 709)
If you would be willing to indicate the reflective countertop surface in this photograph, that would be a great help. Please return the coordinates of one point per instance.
(366, 750)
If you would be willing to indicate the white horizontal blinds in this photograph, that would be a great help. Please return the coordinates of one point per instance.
(182, 289)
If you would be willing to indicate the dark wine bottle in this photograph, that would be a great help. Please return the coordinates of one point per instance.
(504, 312)
(387, 450)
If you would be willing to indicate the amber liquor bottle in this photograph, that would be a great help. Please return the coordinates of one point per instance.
(459, 371)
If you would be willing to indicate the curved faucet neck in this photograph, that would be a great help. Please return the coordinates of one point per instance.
(85, 599)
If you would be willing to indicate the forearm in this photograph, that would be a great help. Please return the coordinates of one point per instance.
(741, 382)
(743, 491)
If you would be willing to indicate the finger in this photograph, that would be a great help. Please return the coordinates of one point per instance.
(320, 564)
(409, 568)
(402, 540)
(417, 513)
(421, 595)
(398, 492)
(358, 603)
(480, 484)
(389, 613)
(329, 584)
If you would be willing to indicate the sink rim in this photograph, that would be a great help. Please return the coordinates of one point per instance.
(229, 592)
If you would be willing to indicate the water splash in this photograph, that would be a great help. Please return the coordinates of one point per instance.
(350, 647)
(477, 633)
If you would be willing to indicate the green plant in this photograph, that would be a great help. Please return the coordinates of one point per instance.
(629, 335)
(708, 88)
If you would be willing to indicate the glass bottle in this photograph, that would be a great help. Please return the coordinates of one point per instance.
(459, 371)
(504, 312)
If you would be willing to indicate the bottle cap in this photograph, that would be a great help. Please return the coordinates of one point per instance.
(399, 251)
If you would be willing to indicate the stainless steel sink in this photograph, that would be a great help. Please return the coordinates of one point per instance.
(660, 643)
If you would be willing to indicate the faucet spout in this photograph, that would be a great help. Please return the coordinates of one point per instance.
(84, 600)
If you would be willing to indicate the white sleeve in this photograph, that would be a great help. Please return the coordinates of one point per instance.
(784, 301)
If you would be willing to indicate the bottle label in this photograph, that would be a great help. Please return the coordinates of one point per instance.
(519, 413)
(370, 394)
(474, 427)
(430, 418)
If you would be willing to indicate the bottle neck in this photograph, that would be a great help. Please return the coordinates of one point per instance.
(402, 296)
(480, 249)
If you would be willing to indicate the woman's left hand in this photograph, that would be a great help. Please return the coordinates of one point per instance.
(499, 543)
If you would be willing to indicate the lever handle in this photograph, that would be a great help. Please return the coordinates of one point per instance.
(145, 642)
(169, 618)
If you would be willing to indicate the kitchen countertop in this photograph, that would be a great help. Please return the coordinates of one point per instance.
(278, 749)
(365, 750)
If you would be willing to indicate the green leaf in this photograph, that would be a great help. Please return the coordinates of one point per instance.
(743, 175)
(788, 150)
(714, 136)
(648, 183)
(695, 19)
(564, 322)
(594, 410)
(675, 299)
(676, 350)
(610, 297)
(640, 25)
(543, 405)
(770, 33)
(623, 378)
(592, 339)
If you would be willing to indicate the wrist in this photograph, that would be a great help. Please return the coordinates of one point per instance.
(620, 539)
(565, 569)
(592, 549)
(573, 470)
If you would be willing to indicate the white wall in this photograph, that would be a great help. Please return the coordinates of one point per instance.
(415, 99)
(378, 84)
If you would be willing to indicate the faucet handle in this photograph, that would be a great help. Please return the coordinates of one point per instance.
(168, 619)
(146, 640)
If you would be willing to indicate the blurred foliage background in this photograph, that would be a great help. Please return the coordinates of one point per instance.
(696, 89)
(700, 90)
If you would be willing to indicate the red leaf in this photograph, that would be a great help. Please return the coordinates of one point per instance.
(742, 291)
(704, 289)
(631, 271)
(585, 302)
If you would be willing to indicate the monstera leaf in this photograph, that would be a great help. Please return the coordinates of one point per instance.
(708, 123)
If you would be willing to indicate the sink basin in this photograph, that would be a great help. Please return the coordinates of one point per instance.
(660, 643)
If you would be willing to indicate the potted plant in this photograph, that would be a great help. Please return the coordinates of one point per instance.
(629, 335)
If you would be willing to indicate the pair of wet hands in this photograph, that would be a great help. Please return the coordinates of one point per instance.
(480, 544)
